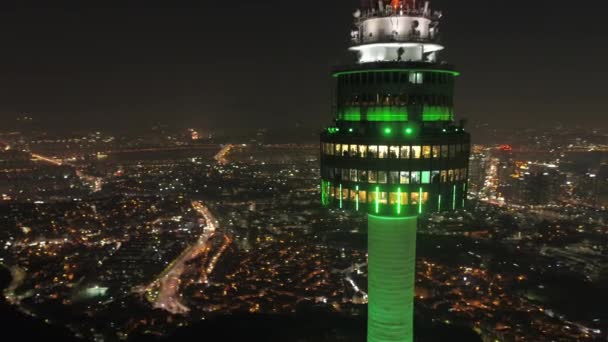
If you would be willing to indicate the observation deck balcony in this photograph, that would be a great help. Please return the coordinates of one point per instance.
(395, 38)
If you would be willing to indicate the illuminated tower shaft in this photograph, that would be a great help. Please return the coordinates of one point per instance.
(392, 269)
(394, 151)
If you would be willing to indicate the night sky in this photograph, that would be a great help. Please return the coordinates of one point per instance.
(265, 63)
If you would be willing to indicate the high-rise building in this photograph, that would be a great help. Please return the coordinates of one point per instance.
(394, 150)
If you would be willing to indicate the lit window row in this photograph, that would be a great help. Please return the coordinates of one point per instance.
(382, 197)
(394, 152)
(401, 77)
(399, 100)
(398, 177)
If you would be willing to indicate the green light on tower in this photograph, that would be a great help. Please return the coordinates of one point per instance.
(391, 275)
(377, 199)
(388, 131)
(439, 204)
(420, 201)
(409, 131)
(464, 193)
(398, 201)
(454, 198)
(357, 199)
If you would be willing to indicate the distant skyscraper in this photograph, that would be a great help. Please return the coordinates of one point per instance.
(394, 151)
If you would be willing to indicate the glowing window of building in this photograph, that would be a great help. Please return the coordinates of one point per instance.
(363, 176)
(353, 175)
(338, 149)
(383, 197)
(415, 177)
(332, 191)
(416, 152)
(371, 199)
(444, 176)
(435, 178)
(345, 174)
(393, 177)
(330, 149)
(426, 177)
(382, 177)
(425, 197)
(416, 78)
(436, 151)
(345, 194)
(404, 177)
(362, 196)
(353, 151)
(383, 152)
(363, 151)
(372, 151)
(344, 150)
(426, 152)
(450, 175)
(352, 196)
(404, 198)
(444, 151)
(415, 196)
(392, 198)
(373, 176)
(405, 152)
(393, 152)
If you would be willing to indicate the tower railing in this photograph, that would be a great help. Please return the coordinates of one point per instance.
(395, 38)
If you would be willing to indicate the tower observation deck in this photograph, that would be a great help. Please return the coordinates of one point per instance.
(394, 150)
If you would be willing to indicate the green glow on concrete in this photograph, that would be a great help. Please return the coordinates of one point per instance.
(387, 114)
(398, 201)
(454, 198)
(437, 114)
(357, 199)
(439, 204)
(391, 274)
(377, 199)
(420, 201)
(340, 196)
(440, 71)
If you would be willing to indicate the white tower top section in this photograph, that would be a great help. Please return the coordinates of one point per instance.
(398, 31)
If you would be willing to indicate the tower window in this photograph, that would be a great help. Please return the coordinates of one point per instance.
(416, 78)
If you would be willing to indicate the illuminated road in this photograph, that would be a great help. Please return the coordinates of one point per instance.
(169, 281)
(220, 157)
(95, 182)
(346, 273)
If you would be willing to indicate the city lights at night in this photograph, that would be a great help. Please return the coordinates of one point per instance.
(319, 171)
